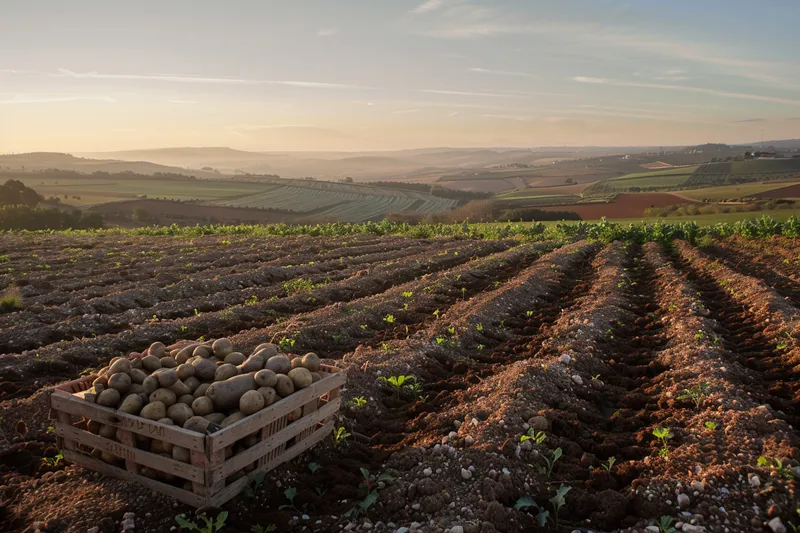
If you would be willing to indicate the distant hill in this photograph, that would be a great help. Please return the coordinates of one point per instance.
(51, 160)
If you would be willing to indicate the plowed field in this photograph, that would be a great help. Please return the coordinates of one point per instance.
(589, 349)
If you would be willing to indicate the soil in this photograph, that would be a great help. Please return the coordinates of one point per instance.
(595, 346)
(624, 206)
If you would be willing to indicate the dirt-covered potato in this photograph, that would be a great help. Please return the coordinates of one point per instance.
(165, 396)
(155, 410)
(180, 388)
(132, 404)
(151, 363)
(121, 382)
(186, 399)
(157, 349)
(108, 432)
(269, 395)
(301, 377)
(232, 419)
(180, 413)
(249, 441)
(251, 402)
(217, 418)
(225, 371)
(315, 377)
(181, 454)
(102, 380)
(266, 350)
(150, 384)
(166, 420)
(222, 347)
(185, 353)
(136, 388)
(185, 371)
(203, 406)
(266, 378)
(166, 376)
(109, 458)
(311, 362)
(202, 351)
(198, 424)
(136, 364)
(192, 383)
(109, 398)
(284, 386)
(226, 394)
(161, 446)
(103, 371)
(297, 362)
(279, 364)
(137, 375)
(120, 365)
(168, 362)
(235, 358)
(201, 390)
(254, 363)
(204, 369)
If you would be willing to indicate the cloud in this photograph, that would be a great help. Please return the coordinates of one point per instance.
(405, 111)
(55, 99)
(467, 93)
(793, 118)
(750, 120)
(430, 5)
(180, 78)
(672, 78)
(500, 72)
(684, 88)
(327, 32)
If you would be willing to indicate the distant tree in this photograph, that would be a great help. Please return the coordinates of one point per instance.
(347, 179)
(141, 215)
(14, 192)
(569, 180)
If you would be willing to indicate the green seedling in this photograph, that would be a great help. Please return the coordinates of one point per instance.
(286, 344)
(253, 300)
(479, 327)
(664, 524)
(53, 461)
(557, 502)
(662, 434)
(254, 483)
(340, 435)
(528, 314)
(408, 294)
(313, 467)
(536, 436)
(358, 402)
(695, 394)
(711, 426)
(269, 528)
(550, 462)
(397, 383)
(775, 464)
(610, 464)
(370, 489)
(209, 525)
(389, 319)
(290, 494)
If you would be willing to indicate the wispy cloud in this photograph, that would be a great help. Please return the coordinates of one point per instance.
(468, 93)
(55, 99)
(327, 32)
(684, 88)
(500, 72)
(430, 5)
(750, 120)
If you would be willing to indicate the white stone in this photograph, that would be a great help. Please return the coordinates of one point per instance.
(468, 440)
(652, 529)
(776, 525)
(689, 528)
(415, 525)
(565, 358)
(683, 501)
(698, 486)
(427, 472)
(755, 481)
(457, 529)
(466, 474)
(577, 379)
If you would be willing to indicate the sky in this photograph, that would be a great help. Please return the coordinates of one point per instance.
(96, 75)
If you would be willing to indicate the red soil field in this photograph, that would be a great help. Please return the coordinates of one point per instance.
(792, 191)
(625, 206)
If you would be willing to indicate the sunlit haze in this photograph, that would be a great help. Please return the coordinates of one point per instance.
(391, 74)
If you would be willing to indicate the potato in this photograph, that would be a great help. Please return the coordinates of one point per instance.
(121, 382)
(266, 350)
(166, 376)
(311, 362)
(235, 358)
(284, 386)
(109, 457)
(301, 378)
(102, 380)
(168, 362)
(192, 383)
(186, 399)
(204, 369)
(161, 446)
(266, 378)
(269, 395)
(184, 371)
(232, 419)
(120, 365)
(315, 377)
(180, 388)
(225, 371)
(198, 424)
(279, 364)
(166, 420)
(93, 426)
(109, 398)
(180, 413)
(203, 406)
(108, 432)
(154, 410)
(151, 363)
(183, 354)
(103, 371)
(132, 404)
(226, 394)
(203, 351)
(150, 384)
(148, 472)
(251, 402)
(181, 454)
(165, 396)
(157, 349)
(201, 390)
(222, 347)
(217, 418)
(136, 364)
(254, 363)
(297, 362)
(137, 375)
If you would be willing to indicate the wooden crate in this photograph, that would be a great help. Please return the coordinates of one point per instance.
(282, 433)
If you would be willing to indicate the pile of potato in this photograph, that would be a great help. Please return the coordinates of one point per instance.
(200, 387)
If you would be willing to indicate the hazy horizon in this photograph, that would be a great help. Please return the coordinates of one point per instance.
(367, 76)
